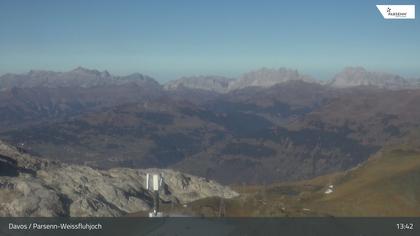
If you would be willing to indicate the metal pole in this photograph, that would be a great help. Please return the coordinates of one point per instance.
(155, 202)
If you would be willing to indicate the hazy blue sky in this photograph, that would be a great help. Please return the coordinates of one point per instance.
(167, 39)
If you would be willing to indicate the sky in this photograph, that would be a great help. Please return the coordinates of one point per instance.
(169, 39)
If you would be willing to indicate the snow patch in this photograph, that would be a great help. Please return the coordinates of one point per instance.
(330, 189)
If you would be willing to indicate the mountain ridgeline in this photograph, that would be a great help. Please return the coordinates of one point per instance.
(266, 126)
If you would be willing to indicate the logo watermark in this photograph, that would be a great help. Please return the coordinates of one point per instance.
(397, 11)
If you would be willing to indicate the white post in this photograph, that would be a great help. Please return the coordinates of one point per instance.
(147, 181)
(153, 184)
(156, 182)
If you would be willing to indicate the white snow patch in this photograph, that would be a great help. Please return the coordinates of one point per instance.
(330, 189)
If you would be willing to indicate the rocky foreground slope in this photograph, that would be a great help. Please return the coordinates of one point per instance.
(36, 187)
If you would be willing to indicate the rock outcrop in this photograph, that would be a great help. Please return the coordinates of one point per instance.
(37, 187)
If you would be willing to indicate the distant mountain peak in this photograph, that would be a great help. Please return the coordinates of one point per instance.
(267, 77)
(359, 76)
(86, 71)
(83, 69)
(264, 77)
(217, 84)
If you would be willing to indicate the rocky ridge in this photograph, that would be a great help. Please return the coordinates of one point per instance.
(359, 76)
(41, 188)
(263, 78)
(266, 77)
(79, 77)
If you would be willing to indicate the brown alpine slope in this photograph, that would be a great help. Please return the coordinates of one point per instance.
(388, 184)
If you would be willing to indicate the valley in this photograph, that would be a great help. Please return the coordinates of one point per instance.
(281, 127)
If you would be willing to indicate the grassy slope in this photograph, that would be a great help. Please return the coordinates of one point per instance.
(388, 184)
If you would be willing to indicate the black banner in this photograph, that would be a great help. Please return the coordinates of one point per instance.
(210, 226)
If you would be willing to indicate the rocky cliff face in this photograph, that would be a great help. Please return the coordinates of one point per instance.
(36, 187)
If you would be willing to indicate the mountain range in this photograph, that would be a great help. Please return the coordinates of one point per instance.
(264, 77)
(79, 77)
(267, 126)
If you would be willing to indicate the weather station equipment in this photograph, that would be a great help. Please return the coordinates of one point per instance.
(154, 184)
